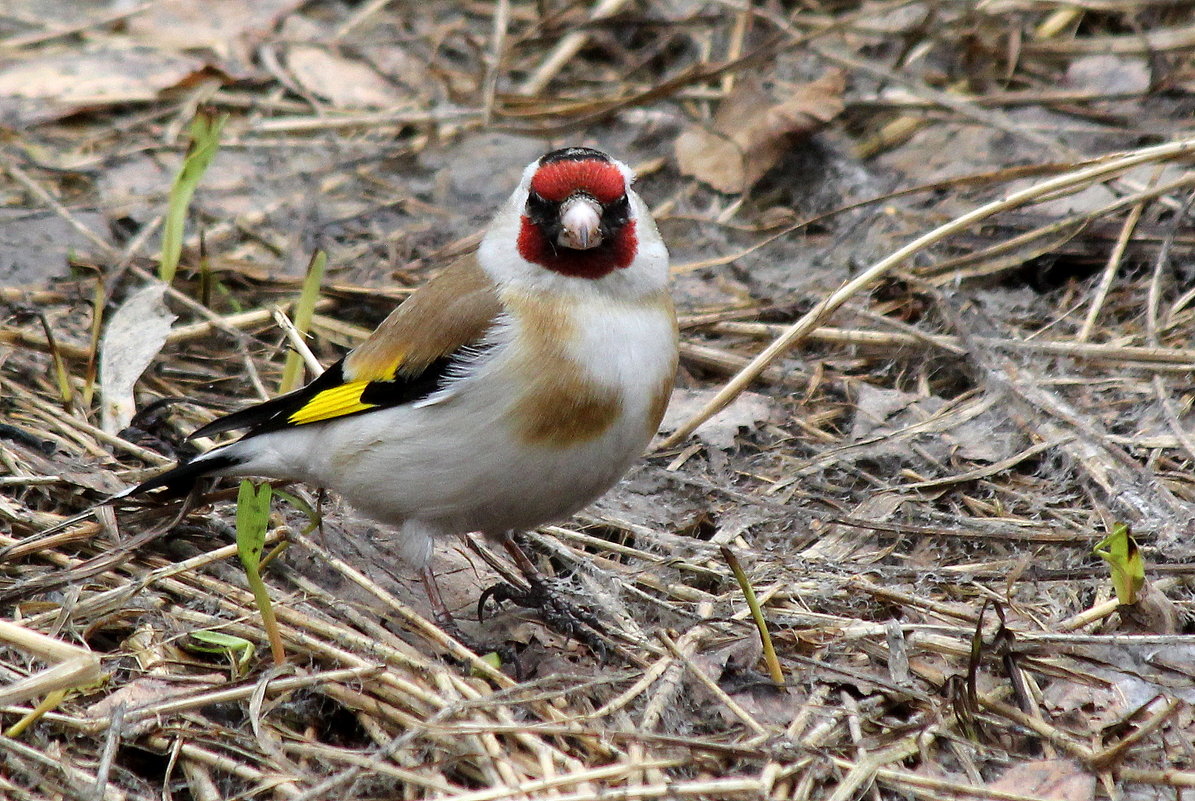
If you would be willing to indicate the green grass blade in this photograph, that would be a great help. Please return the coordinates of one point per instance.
(253, 520)
(769, 651)
(93, 350)
(205, 139)
(61, 373)
(292, 372)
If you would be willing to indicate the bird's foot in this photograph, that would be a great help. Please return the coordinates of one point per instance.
(557, 612)
(447, 624)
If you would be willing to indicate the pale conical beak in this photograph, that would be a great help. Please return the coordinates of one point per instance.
(580, 223)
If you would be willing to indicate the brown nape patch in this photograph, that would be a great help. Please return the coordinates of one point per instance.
(559, 407)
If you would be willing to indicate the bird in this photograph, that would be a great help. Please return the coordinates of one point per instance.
(512, 389)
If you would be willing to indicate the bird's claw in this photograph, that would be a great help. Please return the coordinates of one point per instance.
(557, 612)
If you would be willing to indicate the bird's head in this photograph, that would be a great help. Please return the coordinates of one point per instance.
(575, 225)
(577, 215)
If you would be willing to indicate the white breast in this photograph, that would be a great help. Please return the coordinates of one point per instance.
(631, 346)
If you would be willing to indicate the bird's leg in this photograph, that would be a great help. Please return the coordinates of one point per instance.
(448, 625)
(440, 611)
(558, 612)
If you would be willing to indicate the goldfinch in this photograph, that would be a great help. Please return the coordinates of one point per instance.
(511, 390)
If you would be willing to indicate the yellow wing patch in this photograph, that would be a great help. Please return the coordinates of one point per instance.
(332, 403)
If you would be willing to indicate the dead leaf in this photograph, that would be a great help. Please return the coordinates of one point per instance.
(147, 691)
(1093, 703)
(73, 471)
(135, 334)
(229, 29)
(1109, 74)
(750, 133)
(61, 83)
(1049, 780)
(977, 432)
(1153, 613)
(748, 410)
(344, 82)
(735, 667)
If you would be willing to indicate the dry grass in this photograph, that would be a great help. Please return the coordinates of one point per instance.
(962, 316)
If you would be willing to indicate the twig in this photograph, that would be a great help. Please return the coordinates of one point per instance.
(1135, 356)
(297, 341)
(362, 120)
(493, 69)
(111, 743)
(828, 306)
(862, 772)
(568, 47)
(98, 21)
(425, 628)
(1122, 242)
(1104, 759)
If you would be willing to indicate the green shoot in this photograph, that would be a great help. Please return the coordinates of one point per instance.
(1124, 559)
(314, 520)
(47, 704)
(205, 139)
(253, 520)
(313, 516)
(238, 650)
(97, 326)
(769, 651)
(61, 374)
(304, 310)
(492, 659)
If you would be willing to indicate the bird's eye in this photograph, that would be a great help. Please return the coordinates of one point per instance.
(542, 212)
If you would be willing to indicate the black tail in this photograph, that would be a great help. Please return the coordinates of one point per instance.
(179, 480)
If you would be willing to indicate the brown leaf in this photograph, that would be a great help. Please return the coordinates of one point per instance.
(885, 419)
(1049, 779)
(53, 85)
(345, 82)
(747, 411)
(750, 133)
(1153, 613)
(228, 29)
(134, 335)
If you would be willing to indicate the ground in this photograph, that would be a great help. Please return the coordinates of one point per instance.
(933, 264)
